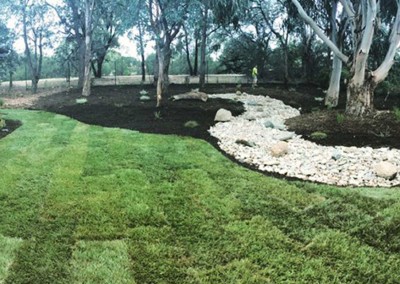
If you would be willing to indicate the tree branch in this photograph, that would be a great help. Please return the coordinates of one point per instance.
(319, 32)
(381, 73)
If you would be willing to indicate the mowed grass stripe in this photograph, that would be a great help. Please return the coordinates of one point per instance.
(95, 262)
(8, 247)
(44, 257)
(26, 172)
(186, 214)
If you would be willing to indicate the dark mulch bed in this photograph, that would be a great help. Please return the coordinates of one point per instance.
(119, 106)
(11, 125)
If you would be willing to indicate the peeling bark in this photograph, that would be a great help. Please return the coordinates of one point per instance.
(89, 6)
(360, 98)
(332, 95)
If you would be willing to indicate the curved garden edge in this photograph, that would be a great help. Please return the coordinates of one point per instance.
(340, 165)
(11, 125)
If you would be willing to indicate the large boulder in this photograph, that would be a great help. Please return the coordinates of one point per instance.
(223, 115)
(279, 149)
(192, 95)
(385, 170)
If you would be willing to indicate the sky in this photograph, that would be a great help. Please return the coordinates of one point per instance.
(127, 46)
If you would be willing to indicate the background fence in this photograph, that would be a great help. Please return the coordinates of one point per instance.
(133, 80)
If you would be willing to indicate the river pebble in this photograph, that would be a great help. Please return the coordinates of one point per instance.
(262, 126)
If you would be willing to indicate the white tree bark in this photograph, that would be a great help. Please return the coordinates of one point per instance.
(332, 94)
(360, 90)
(319, 32)
(381, 73)
(89, 6)
(361, 57)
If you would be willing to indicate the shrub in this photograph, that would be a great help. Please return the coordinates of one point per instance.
(396, 112)
(2, 123)
(1, 102)
(340, 118)
(143, 92)
(191, 124)
(81, 101)
(318, 135)
(157, 115)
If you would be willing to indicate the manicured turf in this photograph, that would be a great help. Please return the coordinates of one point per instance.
(86, 204)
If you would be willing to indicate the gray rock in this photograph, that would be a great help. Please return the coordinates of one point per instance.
(245, 143)
(286, 136)
(144, 98)
(279, 149)
(386, 170)
(223, 115)
(253, 103)
(274, 124)
(268, 124)
(337, 154)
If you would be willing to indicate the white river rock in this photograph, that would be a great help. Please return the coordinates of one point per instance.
(340, 165)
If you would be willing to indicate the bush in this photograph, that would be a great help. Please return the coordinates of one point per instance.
(2, 123)
(340, 118)
(318, 135)
(1, 102)
(143, 92)
(191, 124)
(396, 112)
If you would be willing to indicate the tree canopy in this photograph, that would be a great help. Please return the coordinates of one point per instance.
(329, 43)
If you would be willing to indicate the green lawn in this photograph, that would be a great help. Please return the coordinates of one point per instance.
(86, 204)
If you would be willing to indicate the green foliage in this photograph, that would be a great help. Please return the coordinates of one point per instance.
(157, 115)
(2, 123)
(318, 135)
(143, 93)
(396, 112)
(191, 124)
(340, 118)
(81, 101)
(87, 204)
(1, 102)
(8, 248)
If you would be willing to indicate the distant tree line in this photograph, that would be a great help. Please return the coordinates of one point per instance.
(341, 44)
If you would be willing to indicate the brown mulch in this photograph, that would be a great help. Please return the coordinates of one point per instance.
(119, 106)
(11, 125)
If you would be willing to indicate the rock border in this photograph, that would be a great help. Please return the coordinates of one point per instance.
(261, 127)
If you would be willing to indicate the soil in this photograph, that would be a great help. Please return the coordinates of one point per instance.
(11, 125)
(120, 106)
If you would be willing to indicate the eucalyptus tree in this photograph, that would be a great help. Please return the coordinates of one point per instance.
(277, 18)
(36, 33)
(89, 8)
(214, 14)
(112, 18)
(329, 15)
(139, 33)
(6, 48)
(72, 18)
(166, 18)
(191, 39)
(363, 19)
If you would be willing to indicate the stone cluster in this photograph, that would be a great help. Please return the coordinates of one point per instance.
(259, 137)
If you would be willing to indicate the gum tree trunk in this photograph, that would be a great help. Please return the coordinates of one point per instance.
(89, 6)
(332, 95)
(203, 47)
(164, 59)
(360, 98)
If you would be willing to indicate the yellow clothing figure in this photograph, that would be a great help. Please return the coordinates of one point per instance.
(254, 73)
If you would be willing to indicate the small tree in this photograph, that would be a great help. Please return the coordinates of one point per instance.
(89, 7)
(36, 34)
(363, 18)
(166, 18)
